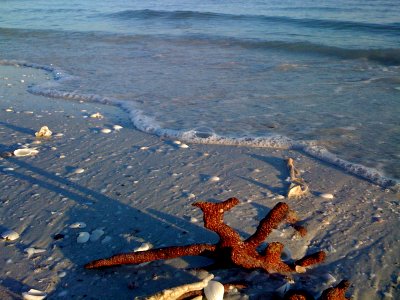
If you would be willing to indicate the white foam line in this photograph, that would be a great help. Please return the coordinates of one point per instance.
(149, 125)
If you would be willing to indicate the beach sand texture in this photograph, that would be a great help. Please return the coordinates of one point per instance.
(135, 188)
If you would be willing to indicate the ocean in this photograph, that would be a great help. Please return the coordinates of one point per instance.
(319, 77)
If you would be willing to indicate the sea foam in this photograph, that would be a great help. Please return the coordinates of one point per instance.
(149, 125)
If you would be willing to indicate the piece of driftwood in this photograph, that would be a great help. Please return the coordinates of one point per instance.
(298, 187)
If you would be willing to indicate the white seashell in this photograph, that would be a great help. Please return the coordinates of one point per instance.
(177, 142)
(117, 127)
(59, 134)
(144, 148)
(214, 290)
(8, 110)
(97, 116)
(326, 196)
(8, 169)
(10, 235)
(143, 247)
(79, 170)
(33, 294)
(62, 156)
(214, 179)
(83, 237)
(106, 130)
(77, 225)
(193, 220)
(183, 146)
(191, 196)
(25, 152)
(43, 132)
(96, 235)
(32, 251)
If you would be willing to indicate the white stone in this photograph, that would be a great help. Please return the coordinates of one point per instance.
(214, 290)
(83, 237)
(10, 235)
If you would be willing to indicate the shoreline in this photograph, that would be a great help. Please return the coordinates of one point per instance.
(138, 188)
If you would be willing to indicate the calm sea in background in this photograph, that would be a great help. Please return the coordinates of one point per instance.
(322, 73)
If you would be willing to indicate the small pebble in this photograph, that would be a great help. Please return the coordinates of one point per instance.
(83, 237)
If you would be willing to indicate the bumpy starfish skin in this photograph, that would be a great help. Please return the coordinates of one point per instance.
(230, 248)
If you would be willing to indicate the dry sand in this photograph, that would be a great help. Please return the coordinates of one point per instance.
(143, 195)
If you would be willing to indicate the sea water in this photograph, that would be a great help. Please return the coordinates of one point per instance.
(322, 77)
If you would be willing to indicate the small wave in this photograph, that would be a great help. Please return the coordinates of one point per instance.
(306, 22)
(149, 125)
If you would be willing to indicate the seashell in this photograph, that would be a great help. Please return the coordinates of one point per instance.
(183, 146)
(43, 132)
(326, 196)
(32, 251)
(25, 152)
(77, 225)
(10, 235)
(59, 134)
(117, 127)
(143, 247)
(8, 169)
(83, 237)
(79, 170)
(105, 130)
(214, 290)
(96, 235)
(214, 179)
(97, 116)
(177, 142)
(144, 148)
(193, 220)
(33, 294)
(8, 110)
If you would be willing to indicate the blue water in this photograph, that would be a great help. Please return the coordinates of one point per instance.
(320, 77)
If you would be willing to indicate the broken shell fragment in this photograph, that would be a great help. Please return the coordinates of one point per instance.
(43, 132)
(214, 290)
(143, 247)
(105, 130)
(326, 196)
(117, 127)
(214, 179)
(97, 116)
(25, 152)
(183, 146)
(10, 235)
(32, 251)
(33, 294)
(79, 170)
(77, 225)
(83, 237)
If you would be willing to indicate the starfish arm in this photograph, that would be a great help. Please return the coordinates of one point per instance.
(336, 293)
(311, 259)
(151, 255)
(271, 221)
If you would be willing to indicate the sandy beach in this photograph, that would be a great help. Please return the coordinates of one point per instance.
(137, 189)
